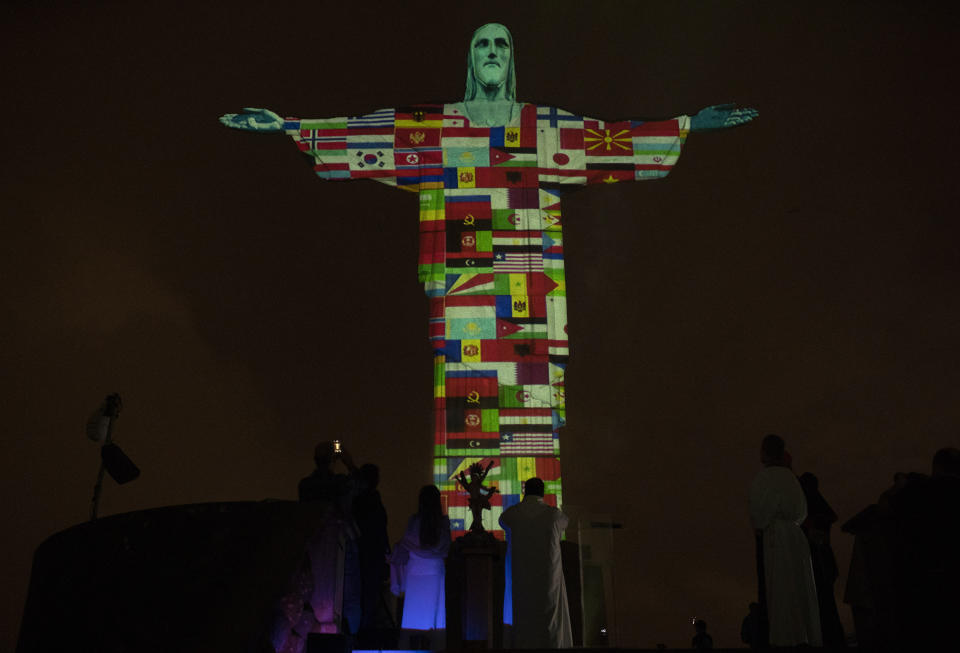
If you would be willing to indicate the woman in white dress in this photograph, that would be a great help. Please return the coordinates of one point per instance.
(427, 539)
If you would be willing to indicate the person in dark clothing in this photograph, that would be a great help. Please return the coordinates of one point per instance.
(904, 569)
(870, 590)
(750, 629)
(926, 515)
(310, 604)
(373, 546)
(323, 483)
(701, 640)
(820, 518)
(337, 491)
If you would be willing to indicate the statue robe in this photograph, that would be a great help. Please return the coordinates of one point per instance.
(491, 262)
(541, 614)
(778, 507)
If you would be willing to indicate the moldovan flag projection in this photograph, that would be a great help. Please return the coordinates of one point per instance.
(491, 262)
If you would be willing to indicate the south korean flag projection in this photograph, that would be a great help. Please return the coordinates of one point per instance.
(491, 264)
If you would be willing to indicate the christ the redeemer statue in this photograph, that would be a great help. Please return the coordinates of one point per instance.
(490, 172)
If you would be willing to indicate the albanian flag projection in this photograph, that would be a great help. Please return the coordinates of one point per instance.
(491, 262)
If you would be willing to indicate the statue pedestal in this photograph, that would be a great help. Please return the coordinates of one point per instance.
(475, 592)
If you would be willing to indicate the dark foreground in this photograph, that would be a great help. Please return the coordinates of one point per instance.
(204, 577)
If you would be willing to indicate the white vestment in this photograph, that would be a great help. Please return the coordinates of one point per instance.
(541, 616)
(778, 507)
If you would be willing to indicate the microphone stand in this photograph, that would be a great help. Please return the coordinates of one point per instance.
(111, 412)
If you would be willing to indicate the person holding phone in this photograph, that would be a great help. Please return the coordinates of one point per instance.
(325, 484)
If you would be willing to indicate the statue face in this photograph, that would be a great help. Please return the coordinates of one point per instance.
(491, 55)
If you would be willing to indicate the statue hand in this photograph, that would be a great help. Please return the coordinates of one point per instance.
(257, 120)
(721, 116)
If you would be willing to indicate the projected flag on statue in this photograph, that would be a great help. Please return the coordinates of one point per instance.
(491, 261)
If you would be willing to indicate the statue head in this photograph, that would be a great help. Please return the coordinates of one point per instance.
(490, 62)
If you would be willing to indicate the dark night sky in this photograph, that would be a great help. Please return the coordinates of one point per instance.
(797, 275)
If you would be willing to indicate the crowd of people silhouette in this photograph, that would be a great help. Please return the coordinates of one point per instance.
(904, 570)
(901, 584)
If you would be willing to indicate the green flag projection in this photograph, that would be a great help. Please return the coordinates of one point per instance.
(490, 173)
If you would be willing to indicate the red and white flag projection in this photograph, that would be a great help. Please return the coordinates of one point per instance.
(491, 262)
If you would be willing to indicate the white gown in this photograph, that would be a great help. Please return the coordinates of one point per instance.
(778, 507)
(424, 605)
(541, 615)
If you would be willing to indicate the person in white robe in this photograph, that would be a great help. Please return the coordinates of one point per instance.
(777, 508)
(427, 541)
(541, 615)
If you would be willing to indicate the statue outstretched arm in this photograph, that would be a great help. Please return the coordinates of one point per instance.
(579, 150)
(344, 148)
(254, 120)
(721, 116)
